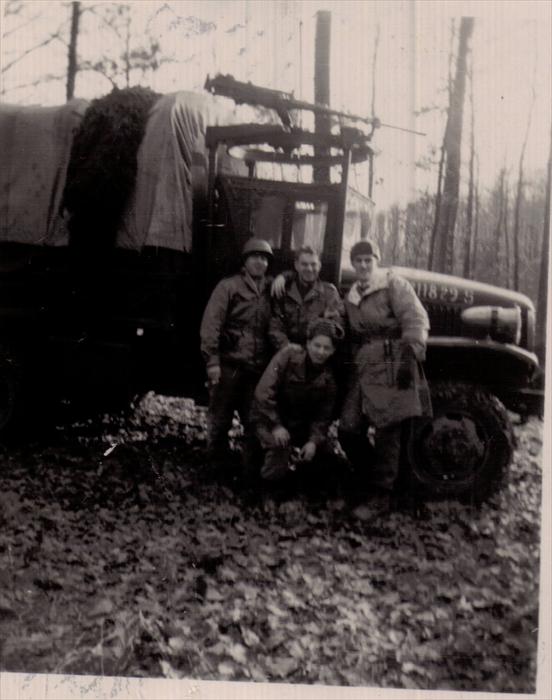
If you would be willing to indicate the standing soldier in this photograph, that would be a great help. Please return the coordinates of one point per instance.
(304, 298)
(387, 328)
(235, 347)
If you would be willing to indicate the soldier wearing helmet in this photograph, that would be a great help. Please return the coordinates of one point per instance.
(234, 345)
(387, 331)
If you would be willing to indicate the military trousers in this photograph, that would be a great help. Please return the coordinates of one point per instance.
(234, 392)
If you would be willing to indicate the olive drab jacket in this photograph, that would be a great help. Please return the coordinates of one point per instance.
(292, 313)
(235, 323)
(381, 321)
(290, 395)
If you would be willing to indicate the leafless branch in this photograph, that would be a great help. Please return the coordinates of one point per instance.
(33, 83)
(25, 53)
(30, 20)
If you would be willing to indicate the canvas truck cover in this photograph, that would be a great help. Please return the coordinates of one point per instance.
(35, 146)
(172, 167)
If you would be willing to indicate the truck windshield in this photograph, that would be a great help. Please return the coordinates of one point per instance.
(287, 221)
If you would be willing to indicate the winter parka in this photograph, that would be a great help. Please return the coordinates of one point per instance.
(235, 323)
(381, 321)
(289, 395)
(292, 313)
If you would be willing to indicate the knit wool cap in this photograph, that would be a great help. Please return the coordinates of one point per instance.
(365, 248)
(323, 326)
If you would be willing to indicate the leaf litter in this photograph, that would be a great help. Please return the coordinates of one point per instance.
(121, 555)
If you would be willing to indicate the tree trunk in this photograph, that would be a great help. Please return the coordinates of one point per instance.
(542, 301)
(469, 214)
(519, 201)
(442, 158)
(322, 86)
(444, 238)
(507, 232)
(475, 228)
(72, 66)
(499, 225)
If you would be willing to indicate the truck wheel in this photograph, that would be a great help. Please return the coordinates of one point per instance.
(466, 449)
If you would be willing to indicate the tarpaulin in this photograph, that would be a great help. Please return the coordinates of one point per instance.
(35, 145)
(172, 166)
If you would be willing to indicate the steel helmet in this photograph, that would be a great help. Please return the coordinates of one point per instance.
(257, 245)
(365, 247)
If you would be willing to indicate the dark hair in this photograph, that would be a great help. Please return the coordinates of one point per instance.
(305, 250)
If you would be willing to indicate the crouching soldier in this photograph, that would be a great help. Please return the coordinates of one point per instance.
(234, 344)
(294, 401)
(387, 328)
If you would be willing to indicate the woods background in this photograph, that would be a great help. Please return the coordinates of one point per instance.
(469, 198)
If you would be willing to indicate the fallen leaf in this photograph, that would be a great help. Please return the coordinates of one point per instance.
(282, 666)
(102, 608)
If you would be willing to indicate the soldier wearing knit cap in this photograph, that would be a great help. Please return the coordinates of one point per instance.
(294, 400)
(387, 329)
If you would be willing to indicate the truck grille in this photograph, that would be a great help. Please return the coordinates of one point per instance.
(444, 320)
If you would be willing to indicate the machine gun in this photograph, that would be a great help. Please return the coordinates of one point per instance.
(284, 102)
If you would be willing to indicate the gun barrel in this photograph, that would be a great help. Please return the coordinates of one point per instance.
(283, 102)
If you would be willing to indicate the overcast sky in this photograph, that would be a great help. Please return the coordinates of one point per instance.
(272, 43)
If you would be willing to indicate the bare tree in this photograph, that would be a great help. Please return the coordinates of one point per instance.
(442, 159)
(467, 272)
(519, 191)
(542, 301)
(72, 65)
(442, 256)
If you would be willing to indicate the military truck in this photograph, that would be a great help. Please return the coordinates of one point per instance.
(93, 328)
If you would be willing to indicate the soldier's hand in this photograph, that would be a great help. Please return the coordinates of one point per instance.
(278, 286)
(213, 375)
(404, 375)
(308, 451)
(281, 436)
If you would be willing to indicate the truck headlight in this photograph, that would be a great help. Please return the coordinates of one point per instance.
(502, 324)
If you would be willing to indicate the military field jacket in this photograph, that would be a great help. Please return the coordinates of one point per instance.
(286, 396)
(235, 323)
(292, 313)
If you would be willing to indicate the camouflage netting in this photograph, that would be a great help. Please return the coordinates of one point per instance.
(102, 170)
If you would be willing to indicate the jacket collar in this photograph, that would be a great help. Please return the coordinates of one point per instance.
(294, 293)
(250, 282)
(380, 280)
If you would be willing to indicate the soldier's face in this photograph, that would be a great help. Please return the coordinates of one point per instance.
(256, 264)
(320, 349)
(364, 266)
(307, 267)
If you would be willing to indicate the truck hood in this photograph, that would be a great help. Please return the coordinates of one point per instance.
(452, 289)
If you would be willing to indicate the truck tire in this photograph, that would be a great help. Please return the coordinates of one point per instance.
(466, 449)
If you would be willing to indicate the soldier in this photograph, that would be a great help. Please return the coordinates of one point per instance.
(294, 401)
(303, 298)
(387, 328)
(234, 345)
